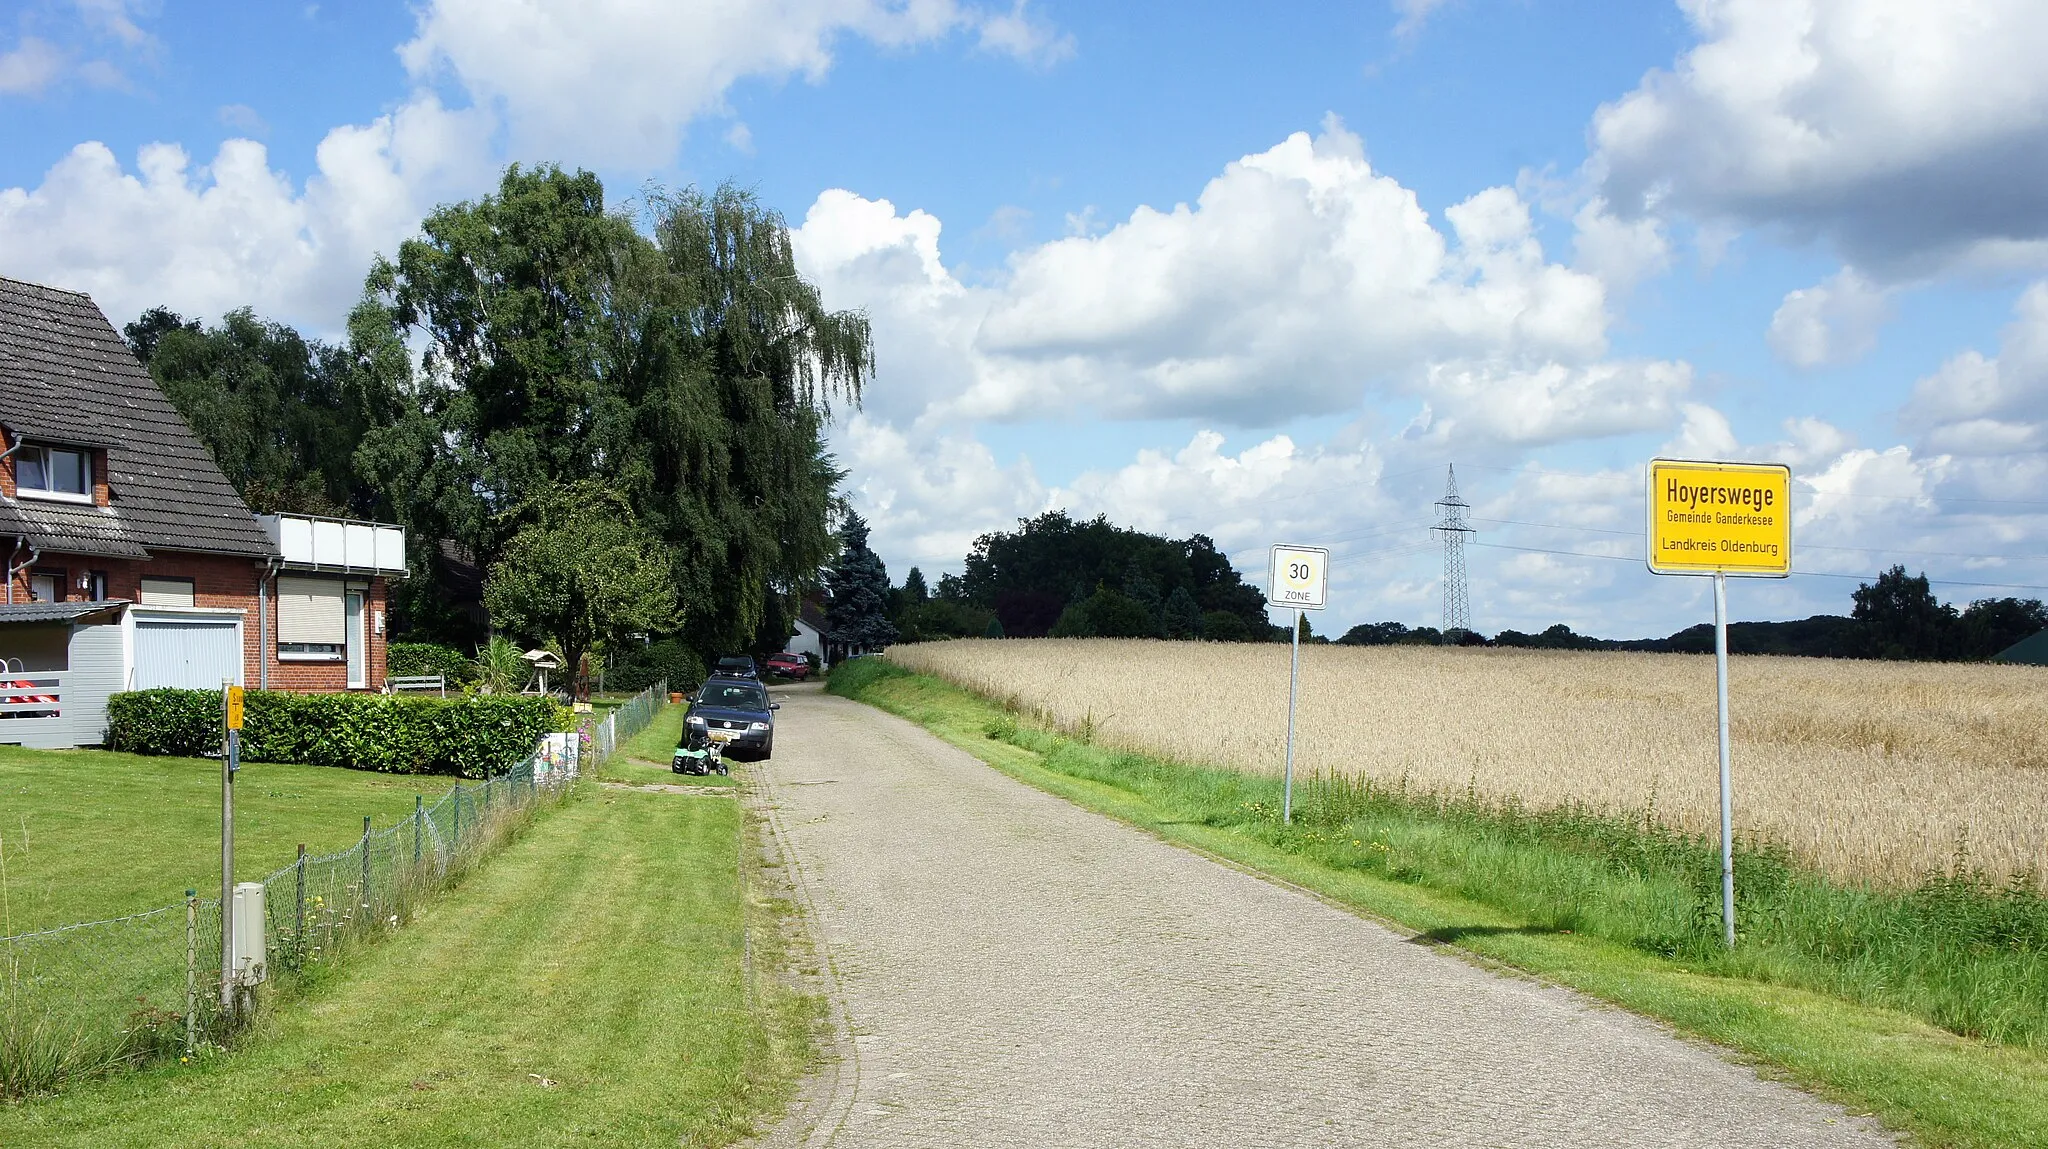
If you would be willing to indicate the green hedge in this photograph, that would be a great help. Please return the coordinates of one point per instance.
(640, 667)
(412, 659)
(470, 737)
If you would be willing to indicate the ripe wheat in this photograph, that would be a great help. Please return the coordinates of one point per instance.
(1869, 770)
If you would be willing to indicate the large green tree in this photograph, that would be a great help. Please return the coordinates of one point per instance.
(282, 415)
(1902, 619)
(679, 357)
(1029, 576)
(580, 570)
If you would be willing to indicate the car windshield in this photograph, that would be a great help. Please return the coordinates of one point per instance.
(733, 695)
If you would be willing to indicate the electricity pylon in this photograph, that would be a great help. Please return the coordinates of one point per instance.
(1452, 526)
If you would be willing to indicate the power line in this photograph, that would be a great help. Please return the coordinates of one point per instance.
(1795, 574)
(1530, 470)
(1802, 546)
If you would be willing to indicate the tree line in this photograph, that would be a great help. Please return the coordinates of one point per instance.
(1082, 578)
(616, 417)
(1895, 616)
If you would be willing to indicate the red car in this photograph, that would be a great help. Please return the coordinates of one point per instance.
(789, 666)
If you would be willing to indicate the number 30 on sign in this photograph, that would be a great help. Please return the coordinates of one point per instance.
(1300, 577)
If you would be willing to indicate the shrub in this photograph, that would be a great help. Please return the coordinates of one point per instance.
(642, 666)
(165, 721)
(409, 659)
(470, 737)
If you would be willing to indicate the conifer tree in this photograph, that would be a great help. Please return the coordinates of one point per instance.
(857, 590)
(1183, 615)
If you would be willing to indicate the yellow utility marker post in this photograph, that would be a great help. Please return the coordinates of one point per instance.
(1721, 519)
(231, 725)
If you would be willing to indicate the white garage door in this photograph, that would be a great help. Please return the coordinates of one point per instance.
(195, 653)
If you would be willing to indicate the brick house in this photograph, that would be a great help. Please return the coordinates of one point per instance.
(131, 561)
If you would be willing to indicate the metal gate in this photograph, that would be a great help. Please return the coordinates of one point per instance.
(192, 652)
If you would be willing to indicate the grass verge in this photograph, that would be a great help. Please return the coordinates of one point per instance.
(93, 834)
(1543, 895)
(590, 986)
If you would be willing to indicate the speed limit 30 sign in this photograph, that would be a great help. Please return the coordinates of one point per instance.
(1300, 577)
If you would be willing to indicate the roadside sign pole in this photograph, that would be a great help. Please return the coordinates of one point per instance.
(227, 871)
(1299, 579)
(1727, 782)
(231, 720)
(1293, 692)
(1720, 518)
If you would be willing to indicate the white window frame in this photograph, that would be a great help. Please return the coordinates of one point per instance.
(310, 652)
(43, 450)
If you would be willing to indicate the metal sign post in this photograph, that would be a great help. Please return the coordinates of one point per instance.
(231, 723)
(1721, 519)
(1300, 578)
(1727, 780)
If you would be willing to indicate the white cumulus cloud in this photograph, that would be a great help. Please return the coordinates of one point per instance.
(236, 231)
(1979, 405)
(1833, 322)
(1911, 136)
(613, 81)
(1300, 281)
(616, 82)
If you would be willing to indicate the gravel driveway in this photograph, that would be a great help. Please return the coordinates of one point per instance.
(1017, 971)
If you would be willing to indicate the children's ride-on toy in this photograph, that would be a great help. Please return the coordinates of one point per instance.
(707, 757)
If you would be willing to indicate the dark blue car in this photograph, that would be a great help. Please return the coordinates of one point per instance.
(736, 712)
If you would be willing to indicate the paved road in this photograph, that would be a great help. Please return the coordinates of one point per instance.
(1017, 971)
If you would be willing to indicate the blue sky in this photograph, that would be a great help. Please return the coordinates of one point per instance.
(1257, 271)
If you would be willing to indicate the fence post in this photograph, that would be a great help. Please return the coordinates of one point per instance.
(417, 815)
(366, 865)
(191, 971)
(456, 844)
(299, 904)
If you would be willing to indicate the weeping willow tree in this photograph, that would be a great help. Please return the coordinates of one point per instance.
(677, 355)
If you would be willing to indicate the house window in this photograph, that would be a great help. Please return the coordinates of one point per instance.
(44, 472)
(96, 586)
(46, 587)
(167, 592)
(311, 619)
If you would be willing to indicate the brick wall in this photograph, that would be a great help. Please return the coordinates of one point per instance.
(326, 677)
(222, 581)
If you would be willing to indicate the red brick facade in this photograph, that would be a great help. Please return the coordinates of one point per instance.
(221, 581)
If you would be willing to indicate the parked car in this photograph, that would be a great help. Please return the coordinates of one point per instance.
(736, 666)
(734, 712)
(790, 666)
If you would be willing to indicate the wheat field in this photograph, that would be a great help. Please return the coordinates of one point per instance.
(1870, 770)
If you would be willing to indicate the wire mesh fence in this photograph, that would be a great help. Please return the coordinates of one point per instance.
(82, 999)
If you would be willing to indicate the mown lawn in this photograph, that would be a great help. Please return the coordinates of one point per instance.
(644, 757)
(1537, 904)
(588, 986)
(90, 834)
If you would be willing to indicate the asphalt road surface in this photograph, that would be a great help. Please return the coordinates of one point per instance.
(1011, 970)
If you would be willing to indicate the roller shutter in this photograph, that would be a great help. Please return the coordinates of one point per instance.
(310, 610)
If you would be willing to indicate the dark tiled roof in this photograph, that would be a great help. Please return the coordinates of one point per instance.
(56, 611)
(72, 529)
(812, 614)
(66, 375)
